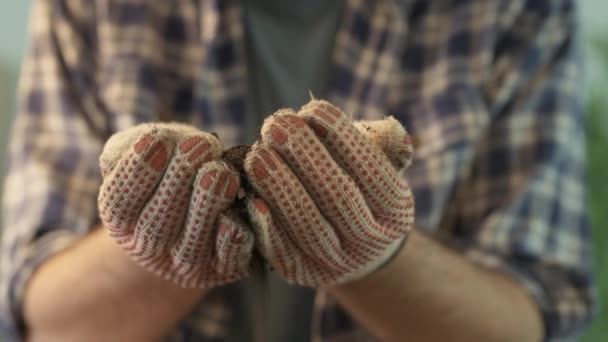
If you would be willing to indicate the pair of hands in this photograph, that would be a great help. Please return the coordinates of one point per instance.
(327, 203)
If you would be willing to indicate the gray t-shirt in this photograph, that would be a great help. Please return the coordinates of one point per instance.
(289, 54)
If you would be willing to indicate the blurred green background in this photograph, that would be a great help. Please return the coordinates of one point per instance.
(13, 19)
(597, 154)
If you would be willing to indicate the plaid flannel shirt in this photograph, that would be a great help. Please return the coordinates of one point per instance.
(491, 89)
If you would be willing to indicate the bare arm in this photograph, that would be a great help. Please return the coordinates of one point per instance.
(102, 296)
(429, 293)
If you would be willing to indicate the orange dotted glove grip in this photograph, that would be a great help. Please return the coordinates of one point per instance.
(333, 207)
(165, 198)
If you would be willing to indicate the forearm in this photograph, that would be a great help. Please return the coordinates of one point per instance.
(429, 293)
(93, 291)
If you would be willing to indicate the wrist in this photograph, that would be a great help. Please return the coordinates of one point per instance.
(383, 271)
(376, 265)
(120, 268)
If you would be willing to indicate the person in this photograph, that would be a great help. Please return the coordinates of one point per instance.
(501, 249)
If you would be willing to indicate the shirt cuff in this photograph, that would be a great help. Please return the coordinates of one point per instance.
(565, 309)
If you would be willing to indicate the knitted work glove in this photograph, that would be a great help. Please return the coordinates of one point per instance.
(164, 199)
(333, 207)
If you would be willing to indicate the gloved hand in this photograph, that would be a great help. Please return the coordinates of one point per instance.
(165, 198)
(333, 206)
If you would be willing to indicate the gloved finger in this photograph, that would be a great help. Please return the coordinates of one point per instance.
(132, 163)
(161, 218)
(215, 188)
(333, 191)
(121, 143)
(279, 250)
(385, 191)
(233, 245)
(293, 207)
(391, 137)
(131, 181)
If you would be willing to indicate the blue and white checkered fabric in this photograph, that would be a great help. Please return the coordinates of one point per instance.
(490, 88)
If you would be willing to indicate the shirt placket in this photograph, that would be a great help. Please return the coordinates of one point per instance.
(368, 44)
(221, 85)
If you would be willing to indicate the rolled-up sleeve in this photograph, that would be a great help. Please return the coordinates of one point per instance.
(52, 171)
(522, 207)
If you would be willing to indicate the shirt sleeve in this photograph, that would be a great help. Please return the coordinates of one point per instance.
(522, 207)
(52, 169)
